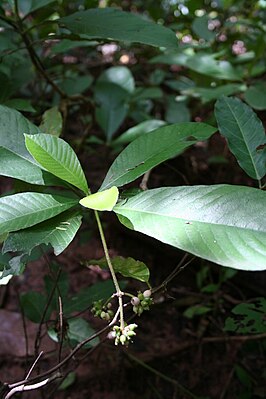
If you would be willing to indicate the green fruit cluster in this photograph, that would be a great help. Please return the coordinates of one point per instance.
(142, 302)
(102, 310)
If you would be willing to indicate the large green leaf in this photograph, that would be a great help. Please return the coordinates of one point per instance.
(255, 96)
(128, 267)
(222, 223)
(34, 305)
(208, 94)
(15, 160)
(113, 24)
(86, 296)
(203, 63)
(29, 6)
(121, 76)
(56, 156)
(138, 130)
(23, 210)
(152, 149)
(59, 232)
(112, 106)
(78, 330)
(245, 135)
(200, 26)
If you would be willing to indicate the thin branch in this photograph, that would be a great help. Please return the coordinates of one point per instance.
(8, 21)
(68, 357)
(49, 300)
(144, 182)
(38, 385)
(33, 365)
(181, 266)
(61, 324)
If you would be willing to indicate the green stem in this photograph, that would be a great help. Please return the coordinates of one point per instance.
(119, 293)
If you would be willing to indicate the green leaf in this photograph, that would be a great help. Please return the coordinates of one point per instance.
(65, 45)
(59, 232)
(255, 96)
(35, 5)
(79, 330)
(206, 64)
(113, 24)
(134, 132)
(20, 104)
(69, 380)
(222, 223)
(86, 296)
(33, 305)
(52, 122)
(101, 201)
(203, 63)
(249, 318)
(56, 156)
(119, 75)
(12, 165)
(196, 310)
(245, 135)
(151, 149)
(15, 160)
(112, 106)
(176, 111)
(144, 93)
(208, 94)
(200, 27)
(75, 84)
(128, 267)
(15, 266)
(23, 210)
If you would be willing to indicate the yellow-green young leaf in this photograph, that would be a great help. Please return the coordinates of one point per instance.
(101, 201)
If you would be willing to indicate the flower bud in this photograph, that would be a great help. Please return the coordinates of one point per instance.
(123, 339)
(135, 301)
(111, 335)
(132, 326)
(103, 315)
(147, 293)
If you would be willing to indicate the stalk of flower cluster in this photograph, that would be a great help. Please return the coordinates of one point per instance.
(119, 293)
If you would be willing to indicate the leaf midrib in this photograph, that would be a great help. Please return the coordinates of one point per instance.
(112, 182)
(187, 219)
(65, 169)
(36, 212)
(253, 162)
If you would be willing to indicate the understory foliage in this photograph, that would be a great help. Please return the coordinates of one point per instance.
(147, 82)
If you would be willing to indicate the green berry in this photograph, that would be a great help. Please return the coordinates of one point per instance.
(123, 339)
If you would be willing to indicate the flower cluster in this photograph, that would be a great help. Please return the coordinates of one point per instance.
(123, 336)
(142, 302)
(102, 310)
